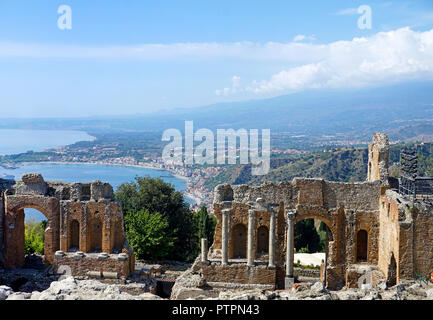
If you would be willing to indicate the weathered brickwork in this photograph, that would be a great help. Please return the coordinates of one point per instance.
(93, 264)
(81, 218)
(238, 273)
(373, 233)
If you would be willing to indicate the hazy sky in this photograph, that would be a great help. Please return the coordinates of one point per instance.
(135, 56)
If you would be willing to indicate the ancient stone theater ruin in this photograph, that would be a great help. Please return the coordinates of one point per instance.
(84, 234)
(375, 234)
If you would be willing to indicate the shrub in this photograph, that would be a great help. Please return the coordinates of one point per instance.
(34, 237)
(159, 197)
(304, 250)
(149, 234)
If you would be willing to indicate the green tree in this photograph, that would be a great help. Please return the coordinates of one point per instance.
(149, 234)
(157, 196)
(34, 237)
(306, 236)
(205, 225)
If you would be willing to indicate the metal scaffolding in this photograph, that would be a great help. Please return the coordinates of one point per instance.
(411, 185)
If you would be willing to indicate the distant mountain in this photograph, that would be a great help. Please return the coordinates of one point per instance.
(404, 111)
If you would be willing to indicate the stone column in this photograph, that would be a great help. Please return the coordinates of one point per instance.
(204, 250)
(225, 231)
(290, 245)
(2, 212)
(271, 249)
(250, 248)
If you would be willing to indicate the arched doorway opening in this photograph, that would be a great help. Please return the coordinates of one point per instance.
(362, 246)
(262, 241)
(31, 225)
(45, 214)
(313, 241)
(391, 279)
(74, 235)
(310, 236)
(239, 241)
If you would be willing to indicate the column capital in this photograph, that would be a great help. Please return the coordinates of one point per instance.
(291, 214)
(225, 211)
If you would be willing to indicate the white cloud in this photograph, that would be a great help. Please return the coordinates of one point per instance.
(236, 80)
(302, 37)
(387, 57)
(299, 37)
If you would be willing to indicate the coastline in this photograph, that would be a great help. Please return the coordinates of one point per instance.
(189, 195)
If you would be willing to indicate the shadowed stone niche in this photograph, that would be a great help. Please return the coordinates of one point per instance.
(85, 231)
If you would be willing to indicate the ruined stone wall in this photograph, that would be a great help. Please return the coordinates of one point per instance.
(406, 233)
(239, 273)
(371, 228)
(363, 196)
(378, 158)
(423, 241)
(93, 264)
(389, 242)
(345, 208)
(90, 205)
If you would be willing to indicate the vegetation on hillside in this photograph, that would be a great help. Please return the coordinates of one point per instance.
(342, 165)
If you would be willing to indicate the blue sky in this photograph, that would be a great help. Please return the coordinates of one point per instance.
(128, 57)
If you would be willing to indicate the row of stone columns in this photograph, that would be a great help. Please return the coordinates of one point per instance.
(250, 237)
(290, 241)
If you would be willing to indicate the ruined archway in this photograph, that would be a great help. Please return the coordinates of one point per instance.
(239, 241)
(325, 265)
(262, 240)
(14, 228)
(70, 210)
(391, 279)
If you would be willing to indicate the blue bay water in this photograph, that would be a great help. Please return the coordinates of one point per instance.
(115, 175)
(19, 141)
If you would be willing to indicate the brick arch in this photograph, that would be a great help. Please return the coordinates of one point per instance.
(333, 243)
(331, 226)
(14, 227)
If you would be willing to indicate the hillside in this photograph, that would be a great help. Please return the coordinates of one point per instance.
(343, 165)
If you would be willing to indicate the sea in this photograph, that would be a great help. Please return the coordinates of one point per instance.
(39, 140)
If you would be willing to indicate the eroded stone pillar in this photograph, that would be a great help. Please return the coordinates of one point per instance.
(204, 250)
(271, 249)
(290, 246)
(225, 236)
(250, 244)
